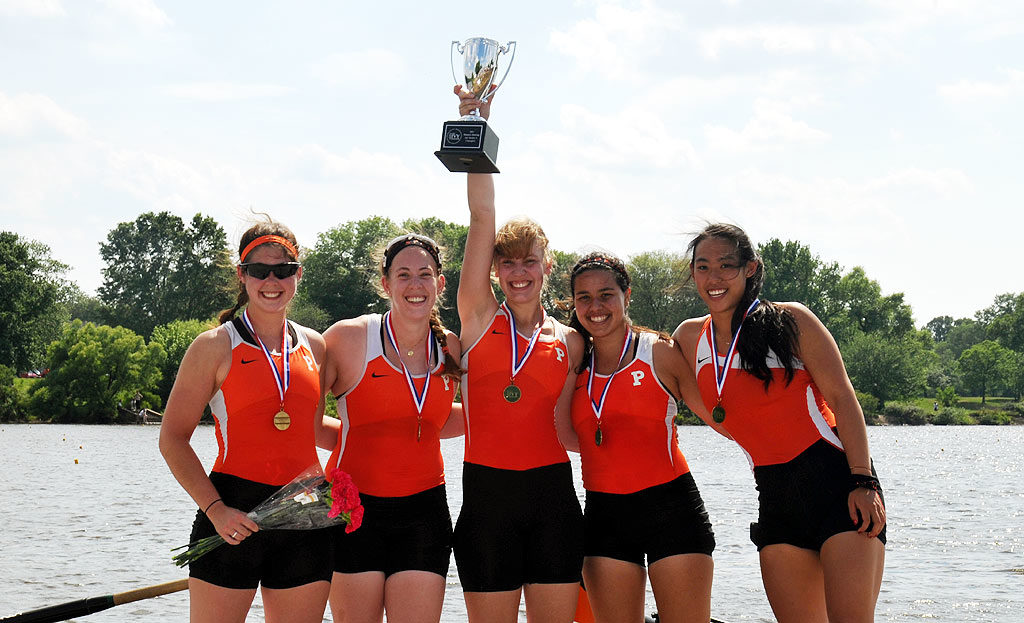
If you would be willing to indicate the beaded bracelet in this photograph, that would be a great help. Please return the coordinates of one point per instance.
(859, 481)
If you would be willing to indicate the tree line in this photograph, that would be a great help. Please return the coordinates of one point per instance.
(164, 279)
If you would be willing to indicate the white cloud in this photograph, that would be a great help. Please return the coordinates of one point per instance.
(32, 8)
(770, 128)
(625, 139)
(778, 38)
(979, 91)
(144, 12)
(224, 91)
(28, 114)
(616, 40)
(380, 67)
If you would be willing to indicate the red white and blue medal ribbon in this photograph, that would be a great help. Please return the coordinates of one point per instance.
(513, 393)
(281, 420)
(721, 372)
(598, 407)
(419, 398)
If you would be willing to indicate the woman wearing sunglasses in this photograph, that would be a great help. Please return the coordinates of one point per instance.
(260, 375)
(773, 380)
(519, 533)
(395, 377)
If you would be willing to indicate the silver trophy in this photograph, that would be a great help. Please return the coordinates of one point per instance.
(469, 145)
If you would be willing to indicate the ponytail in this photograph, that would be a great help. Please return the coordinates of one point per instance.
(228, 315)
(451, 365)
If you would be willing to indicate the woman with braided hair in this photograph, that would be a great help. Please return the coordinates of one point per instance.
(260, 374)
(395, 377)
(773, 380)
(642, 502)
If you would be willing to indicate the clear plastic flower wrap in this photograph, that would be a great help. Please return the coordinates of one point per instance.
(308, 502)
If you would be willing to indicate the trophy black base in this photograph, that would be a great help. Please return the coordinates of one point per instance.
(468, 147)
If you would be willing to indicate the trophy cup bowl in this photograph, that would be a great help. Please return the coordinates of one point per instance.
(469, 145)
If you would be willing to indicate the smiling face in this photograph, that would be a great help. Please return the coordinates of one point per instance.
(719, 273)
(270, 295)
(413, 283)
(600, 302)
(522, 279)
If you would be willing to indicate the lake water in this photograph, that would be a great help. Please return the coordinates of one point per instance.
(106, 524)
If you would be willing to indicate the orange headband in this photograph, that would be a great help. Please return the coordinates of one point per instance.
(284, 242)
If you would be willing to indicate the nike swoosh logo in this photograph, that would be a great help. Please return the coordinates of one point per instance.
(377, 376)
(250, 361)
(703, 359)
(496, 332)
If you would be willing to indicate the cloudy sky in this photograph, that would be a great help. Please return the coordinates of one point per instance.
(882, 134)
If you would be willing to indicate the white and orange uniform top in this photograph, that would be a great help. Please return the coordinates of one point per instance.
(377, 444)
(249, 445)
(772, 426)
(520, 435)
(639, 446)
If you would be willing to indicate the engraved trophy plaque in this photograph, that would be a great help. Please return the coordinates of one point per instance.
(469, 145)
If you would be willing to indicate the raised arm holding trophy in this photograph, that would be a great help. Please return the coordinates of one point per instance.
(469, 145)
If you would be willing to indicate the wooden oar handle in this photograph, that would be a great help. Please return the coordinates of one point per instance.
(150, 591)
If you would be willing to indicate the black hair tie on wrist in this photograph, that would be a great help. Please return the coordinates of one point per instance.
(208, 506)
(860, 481)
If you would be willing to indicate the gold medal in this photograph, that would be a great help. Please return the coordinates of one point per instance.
(598, 437)
(512, 393)
(718, 413)
(282, 420)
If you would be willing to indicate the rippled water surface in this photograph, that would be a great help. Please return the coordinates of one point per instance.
(106, 524)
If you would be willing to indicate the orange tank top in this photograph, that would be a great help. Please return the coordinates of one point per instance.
(249, 445)
(519, 435)
(772, 426)
(377, 444)
(639, 447)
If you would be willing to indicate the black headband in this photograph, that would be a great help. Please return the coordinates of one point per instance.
(408, 240)
(600, 261)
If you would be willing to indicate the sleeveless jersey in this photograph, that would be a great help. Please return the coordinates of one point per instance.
(377, 442)
(639, 447)
(772, 426)
(518, 435)
(249, 445)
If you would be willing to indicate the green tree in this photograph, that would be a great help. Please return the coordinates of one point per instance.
(158, 269)
(964, 334)
(93, 370)
(1016, 379)
(339, 271)
(557, 290)
(940, 327)
(31, 307)
(867, 310)
(8, 395)
(888, 369)
(174, 338)
(986, 365)
(662, 295)
(1007, 326)
(793, 273)
(86, 308)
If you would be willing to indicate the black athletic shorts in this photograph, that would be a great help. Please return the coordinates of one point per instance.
(804, 502)
(406, 533)
(518, 527)
(659, 521)
(275, 558)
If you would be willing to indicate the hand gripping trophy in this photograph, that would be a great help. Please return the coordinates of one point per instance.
(469, 145)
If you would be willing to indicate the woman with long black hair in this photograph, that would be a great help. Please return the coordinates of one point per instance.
(771, 377)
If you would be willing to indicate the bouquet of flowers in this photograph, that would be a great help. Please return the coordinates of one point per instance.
(309, 501)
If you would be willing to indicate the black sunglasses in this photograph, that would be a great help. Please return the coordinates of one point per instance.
(262, 271)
